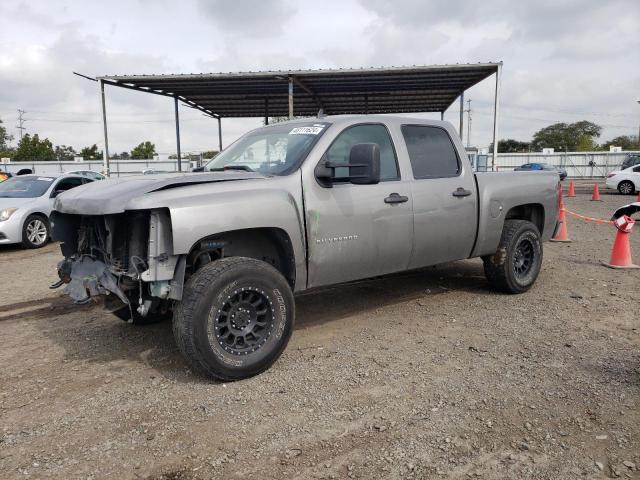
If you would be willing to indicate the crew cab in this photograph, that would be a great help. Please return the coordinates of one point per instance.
(291, 207)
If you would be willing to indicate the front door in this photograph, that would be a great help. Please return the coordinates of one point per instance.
(359, 231)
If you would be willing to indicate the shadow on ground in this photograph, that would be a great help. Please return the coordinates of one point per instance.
(87, 333)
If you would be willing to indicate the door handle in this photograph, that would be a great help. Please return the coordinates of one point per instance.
(396, 198)
(461, 192)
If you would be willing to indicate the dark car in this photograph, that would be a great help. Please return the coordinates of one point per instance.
(542, 166)
(630, 161)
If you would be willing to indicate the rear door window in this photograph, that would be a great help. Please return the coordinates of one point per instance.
(431, 152)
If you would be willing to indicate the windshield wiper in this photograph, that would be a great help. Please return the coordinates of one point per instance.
(233, 167)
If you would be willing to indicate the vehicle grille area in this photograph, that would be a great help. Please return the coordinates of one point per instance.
(119, 241)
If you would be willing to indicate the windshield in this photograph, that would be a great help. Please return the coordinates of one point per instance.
(273, 150)
(25, 187)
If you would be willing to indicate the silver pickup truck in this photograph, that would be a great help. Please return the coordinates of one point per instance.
(290, 207)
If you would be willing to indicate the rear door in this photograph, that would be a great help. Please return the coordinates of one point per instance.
(444, 196)
(359, 231)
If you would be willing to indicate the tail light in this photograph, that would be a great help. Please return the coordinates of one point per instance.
(559, 198)
(611, 175)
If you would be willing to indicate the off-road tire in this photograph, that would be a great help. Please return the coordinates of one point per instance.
(626, 187)
(501, 268)
(208, 294)
(26, 241)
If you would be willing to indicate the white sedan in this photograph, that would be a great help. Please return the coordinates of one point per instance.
(26, 202)
(626, 181)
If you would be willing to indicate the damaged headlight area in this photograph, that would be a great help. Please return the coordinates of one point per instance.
(127, 258)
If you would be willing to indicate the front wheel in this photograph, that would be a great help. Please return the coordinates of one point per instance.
(514, 268)
(626, 187)
(235, 318)
(35, 231)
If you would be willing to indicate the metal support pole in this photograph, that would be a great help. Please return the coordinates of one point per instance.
(290, 98)
(266, 111)
(178, 136)
(220, 133)
(105, 150)
(496, 116)
(460, 130)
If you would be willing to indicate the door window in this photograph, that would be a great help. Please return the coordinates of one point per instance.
(369, 133)
(67, 184)
(431, 152)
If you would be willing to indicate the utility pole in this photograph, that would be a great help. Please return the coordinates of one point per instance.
(21, 121)
(468, 110)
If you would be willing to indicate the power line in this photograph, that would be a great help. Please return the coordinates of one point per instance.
(21, 121)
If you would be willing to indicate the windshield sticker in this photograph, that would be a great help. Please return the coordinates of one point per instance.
(45, 179)
(306, 131)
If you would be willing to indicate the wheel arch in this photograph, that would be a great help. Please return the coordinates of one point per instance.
(532, 212)
(269, 244)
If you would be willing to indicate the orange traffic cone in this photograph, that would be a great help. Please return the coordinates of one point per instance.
(572, 191)
(638, 199)
(621, 252)
(595, 196)
(563, 234)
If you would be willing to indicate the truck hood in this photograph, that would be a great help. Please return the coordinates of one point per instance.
(111, 196)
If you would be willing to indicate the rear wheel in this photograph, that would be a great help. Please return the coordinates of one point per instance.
(235, 318)
(626, 187)
(35, 231)
(514, 268)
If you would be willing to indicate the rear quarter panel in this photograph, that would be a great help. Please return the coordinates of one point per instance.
(499, 192)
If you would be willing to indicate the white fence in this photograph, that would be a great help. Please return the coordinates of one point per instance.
(119, 168)
(577, 164)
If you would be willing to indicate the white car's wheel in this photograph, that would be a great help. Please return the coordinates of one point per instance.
(626, 187)
(35, 231)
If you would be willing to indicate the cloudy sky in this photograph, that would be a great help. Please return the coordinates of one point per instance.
(564, 60)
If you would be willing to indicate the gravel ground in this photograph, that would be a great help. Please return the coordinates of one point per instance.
(427, 374)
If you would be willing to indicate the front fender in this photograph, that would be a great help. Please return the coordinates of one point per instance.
(199, 211)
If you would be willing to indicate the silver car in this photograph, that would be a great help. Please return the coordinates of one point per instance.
(89, 174)
(25, 205)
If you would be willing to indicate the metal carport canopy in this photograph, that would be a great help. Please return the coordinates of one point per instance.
(339, 91)
(304, 93)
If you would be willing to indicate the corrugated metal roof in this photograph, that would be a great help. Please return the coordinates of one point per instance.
(336, 91)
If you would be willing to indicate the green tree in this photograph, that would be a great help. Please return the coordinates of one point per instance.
(64, 153)
(5, 139)
(91, 153)
(209, 154)
(627, 142)
(512, 146)
(143, 151)
(566, 136)
(32, 148)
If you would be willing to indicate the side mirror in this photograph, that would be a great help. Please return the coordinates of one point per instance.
(363, 167)
(56, 193)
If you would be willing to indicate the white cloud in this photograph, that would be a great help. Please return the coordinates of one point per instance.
(564, 60)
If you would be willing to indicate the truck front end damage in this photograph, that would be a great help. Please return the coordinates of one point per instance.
(125, 257)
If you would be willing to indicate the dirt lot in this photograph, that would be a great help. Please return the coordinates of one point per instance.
(421, 375)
